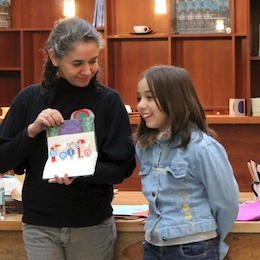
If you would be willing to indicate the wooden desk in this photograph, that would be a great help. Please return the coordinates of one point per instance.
(243, 239)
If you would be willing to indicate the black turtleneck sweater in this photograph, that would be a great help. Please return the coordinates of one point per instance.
(87, 200)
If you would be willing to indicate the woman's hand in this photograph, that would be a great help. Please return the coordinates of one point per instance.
(47, 117)
(65, 180)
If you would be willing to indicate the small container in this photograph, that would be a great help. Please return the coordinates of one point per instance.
(4, 111)
(256, 189)
(2, 198)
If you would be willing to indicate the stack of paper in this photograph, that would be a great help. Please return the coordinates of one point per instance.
(130, 211)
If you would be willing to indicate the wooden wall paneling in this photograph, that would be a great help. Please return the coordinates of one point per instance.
(33, 57)
(133, 183)
(10, 49)
(10, 82)
(126, 63)
(177, 52)
(239, 18)
(241, 67)
(255, 78)
(241, 143)
(85, 9)
(110, 17)
(208, 61)
(33, 14)
(254, 26)
(126, 14)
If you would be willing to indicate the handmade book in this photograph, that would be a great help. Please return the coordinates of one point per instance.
(71, 148)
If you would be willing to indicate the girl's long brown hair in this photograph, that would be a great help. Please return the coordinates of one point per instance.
(174, 92)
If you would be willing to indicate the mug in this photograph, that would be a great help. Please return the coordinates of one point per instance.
(128, 108)
(236, 107)
(256, 189)
(141, 28)
(255, 102)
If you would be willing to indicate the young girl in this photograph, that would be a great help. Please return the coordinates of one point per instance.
(186, 175)
(68, 218)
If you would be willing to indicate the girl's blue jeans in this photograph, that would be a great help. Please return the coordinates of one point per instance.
(208, 249)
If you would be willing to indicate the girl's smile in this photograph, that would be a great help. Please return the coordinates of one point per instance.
(154, 117)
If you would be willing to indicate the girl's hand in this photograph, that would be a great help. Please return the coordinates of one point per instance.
(47, 117)
(65, 180)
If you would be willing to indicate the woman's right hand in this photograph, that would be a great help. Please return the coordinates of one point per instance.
(47, 117)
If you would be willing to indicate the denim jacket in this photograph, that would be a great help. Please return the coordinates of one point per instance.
(190, 191)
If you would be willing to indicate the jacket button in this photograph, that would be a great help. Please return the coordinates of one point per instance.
(153, 194)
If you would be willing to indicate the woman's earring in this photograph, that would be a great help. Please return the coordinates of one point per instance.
(58, 74)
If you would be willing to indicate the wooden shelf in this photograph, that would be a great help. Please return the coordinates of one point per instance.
(211, 119)
(139, 36)
(204, 35)
(10, 68)
(257, 58)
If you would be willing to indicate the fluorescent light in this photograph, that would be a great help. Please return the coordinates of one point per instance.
(220, 25)
(160, 6)
(69, 8)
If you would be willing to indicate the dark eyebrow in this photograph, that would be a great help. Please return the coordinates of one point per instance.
(94, 58)
(146, 92)
(150, 92)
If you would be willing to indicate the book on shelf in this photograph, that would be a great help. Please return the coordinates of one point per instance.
(200, 16)
(5, 13)
(259, 41)
(98, 19)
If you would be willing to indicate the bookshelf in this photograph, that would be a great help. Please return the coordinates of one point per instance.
(218, 62)
(222, 65)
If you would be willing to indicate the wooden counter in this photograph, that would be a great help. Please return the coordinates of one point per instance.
(243, 239)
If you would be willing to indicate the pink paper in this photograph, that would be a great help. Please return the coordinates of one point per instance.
(141, 213)
(249, 212)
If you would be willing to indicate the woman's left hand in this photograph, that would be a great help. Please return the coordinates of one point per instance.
(65, 180)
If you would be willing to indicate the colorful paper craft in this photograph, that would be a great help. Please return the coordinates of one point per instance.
(71, 148)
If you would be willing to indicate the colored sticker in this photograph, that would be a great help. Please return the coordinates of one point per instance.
(70, 152)
(87, 152)
(53, 153)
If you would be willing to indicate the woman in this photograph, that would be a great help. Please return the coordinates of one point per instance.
(68, 218)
